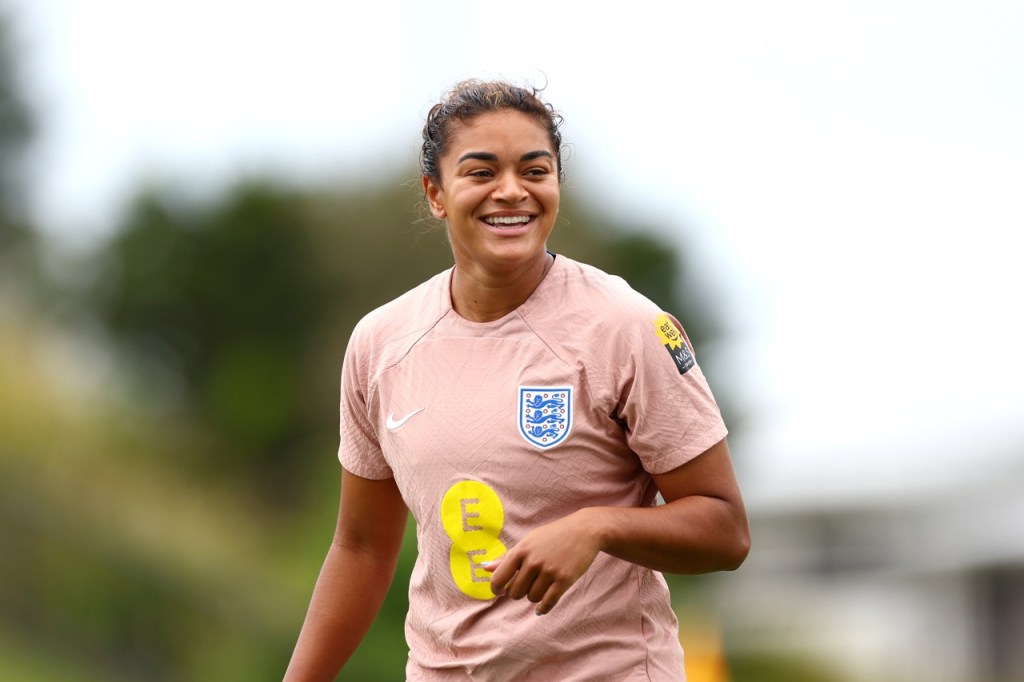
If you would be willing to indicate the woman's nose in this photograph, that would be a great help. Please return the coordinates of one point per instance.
(509, 188)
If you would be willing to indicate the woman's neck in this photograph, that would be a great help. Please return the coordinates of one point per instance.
(480, 296)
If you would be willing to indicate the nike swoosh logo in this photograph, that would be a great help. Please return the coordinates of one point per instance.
(393, 424)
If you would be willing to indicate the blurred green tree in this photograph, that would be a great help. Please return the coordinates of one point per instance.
(215, 306)
(18, 243)
(15, 126)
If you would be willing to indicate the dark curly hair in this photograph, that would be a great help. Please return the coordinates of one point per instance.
(469, 99)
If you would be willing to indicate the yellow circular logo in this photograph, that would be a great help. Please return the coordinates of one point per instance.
(473, 515)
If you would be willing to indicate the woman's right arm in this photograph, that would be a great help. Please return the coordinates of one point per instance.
(354, 579)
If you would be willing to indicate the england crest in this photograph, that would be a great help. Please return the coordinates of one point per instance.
(545, 414)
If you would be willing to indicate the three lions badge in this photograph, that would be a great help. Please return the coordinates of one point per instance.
(545, 414)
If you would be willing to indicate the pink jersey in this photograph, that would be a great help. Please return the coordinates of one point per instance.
(493, 429)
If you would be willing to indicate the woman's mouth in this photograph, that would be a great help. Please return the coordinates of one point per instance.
(509, 221)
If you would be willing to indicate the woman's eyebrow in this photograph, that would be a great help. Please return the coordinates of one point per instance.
(488, 156)
(530, 156)
(479, 156)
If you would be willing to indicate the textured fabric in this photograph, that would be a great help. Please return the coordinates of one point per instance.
(493, 429)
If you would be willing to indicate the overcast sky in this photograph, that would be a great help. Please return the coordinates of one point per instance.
(848, 174)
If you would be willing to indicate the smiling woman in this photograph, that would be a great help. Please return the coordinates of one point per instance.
(528, 410)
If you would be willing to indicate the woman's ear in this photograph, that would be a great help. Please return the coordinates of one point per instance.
(435, 197)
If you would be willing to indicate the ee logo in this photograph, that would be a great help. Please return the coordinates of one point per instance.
(473, 515)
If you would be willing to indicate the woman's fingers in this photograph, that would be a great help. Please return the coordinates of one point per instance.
(545, 563)
(539, 588)
(521, 583)
(501, 573)
(542, 587)
(551, 597)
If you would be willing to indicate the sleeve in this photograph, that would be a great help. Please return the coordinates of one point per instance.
(665, 402)
(359, 450)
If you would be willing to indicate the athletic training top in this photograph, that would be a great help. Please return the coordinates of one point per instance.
(492, 429)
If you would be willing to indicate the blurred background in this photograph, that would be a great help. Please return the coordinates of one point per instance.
(198, 200)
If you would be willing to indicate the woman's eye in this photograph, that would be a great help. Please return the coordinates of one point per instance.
(537, 171)
(481, 173)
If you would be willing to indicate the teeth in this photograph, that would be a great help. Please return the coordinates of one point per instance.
(507, 220)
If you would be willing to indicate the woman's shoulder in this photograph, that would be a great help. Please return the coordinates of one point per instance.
(410, 314)
(589, 290)
(586, 313)
(601, 315)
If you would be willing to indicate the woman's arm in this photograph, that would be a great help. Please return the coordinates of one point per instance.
(354, 580)
(702, 527)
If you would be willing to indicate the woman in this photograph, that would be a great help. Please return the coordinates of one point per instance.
(527, 409)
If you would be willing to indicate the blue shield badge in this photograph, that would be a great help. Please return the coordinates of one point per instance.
(545, 414)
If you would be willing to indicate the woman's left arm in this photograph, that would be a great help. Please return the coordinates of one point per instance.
(702, 527)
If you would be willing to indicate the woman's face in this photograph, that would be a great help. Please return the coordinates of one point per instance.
(498, 192)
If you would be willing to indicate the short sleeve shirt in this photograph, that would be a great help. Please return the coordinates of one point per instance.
(493, 429)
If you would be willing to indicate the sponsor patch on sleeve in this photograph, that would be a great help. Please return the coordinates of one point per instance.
(675, 344)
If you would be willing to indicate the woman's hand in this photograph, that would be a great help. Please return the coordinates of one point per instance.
(548, 561)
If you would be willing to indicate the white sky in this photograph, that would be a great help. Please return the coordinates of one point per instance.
(850, 174)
